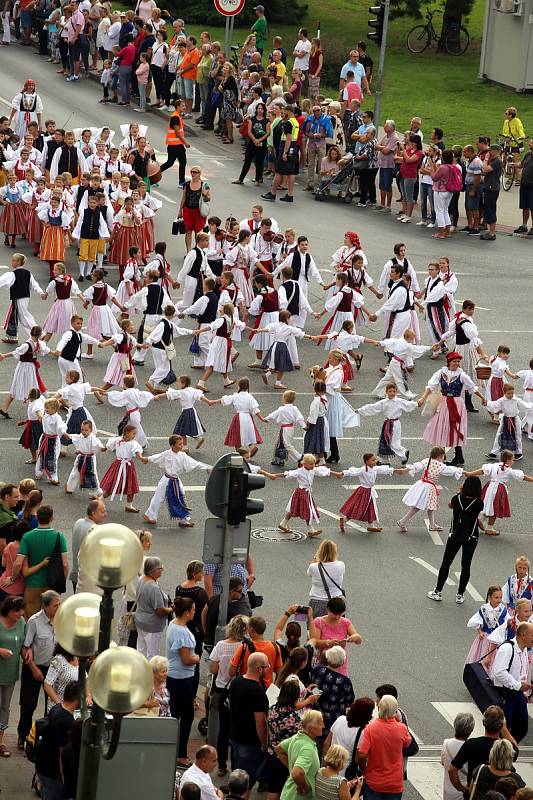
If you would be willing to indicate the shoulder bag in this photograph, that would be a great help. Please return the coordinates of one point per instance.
(323, 572)
(412, 748)
(352, 770)
(55, 573)
(204, 205)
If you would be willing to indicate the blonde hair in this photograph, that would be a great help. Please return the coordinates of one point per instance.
(501, 755)
(336, 757)
(310, 717)
(522, 603)
(327, 551)
(27, 485)
(387, 707)
(51, 405)
(308, 458)
(338, 354)
(522, 559)
(158, 663)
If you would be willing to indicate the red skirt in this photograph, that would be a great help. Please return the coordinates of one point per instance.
(53, 244)
(347, 370)
(193, 220)
(35, 227)
(233, 436)
(123, 239)
(14, 221)
(359, 505)
(147, 237)
(502, 509)
(496, 388)
(301, 502)
(128, 485)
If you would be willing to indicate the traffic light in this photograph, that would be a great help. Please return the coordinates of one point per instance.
(377, 34)
(240, 506)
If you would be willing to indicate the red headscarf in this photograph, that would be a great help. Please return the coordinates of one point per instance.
(354, 238)
(453, 357)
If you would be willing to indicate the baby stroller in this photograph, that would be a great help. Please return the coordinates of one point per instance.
(344, 183)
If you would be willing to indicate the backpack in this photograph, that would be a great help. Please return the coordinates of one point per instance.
(455, 180)
(34, 738)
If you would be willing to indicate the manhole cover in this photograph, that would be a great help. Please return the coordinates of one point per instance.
(275, 535)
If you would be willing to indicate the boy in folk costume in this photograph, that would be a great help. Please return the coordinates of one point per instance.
(194, 271)
(151, 299)
(288, 244)
(253, 223)
(527, 376)
(189, 423)
(241, 259)
(499, 368)
(293, 299)
(343, 302)
(121, 362)
(451, 283)
(174, 462)
(390, 438)
(509, 433)
(89, 229)
(63, 308)
(20, 283)
(33, 424)
(121, 476)
(49, 444)
(396, 310)
(161, 340)
(26, 376)
(518, 585)
(287, 417)
(399, 259)
(72, 396)
(56, 222)
(219, 354)
(101, 323)
(403, 352)
(302, 263)
(242, 431)
(132, 399)
(68, 350)
(218, 245)
(83, 474)
(266, 247)
(13, 222)
(423, 495)
(265, 309)
(433, 301)
(68, 158)
(495, 495)
(301, 504)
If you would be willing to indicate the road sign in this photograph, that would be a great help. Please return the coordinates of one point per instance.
(229, 8)
(214, 535)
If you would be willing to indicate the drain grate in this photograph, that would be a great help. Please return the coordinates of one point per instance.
(277, 536)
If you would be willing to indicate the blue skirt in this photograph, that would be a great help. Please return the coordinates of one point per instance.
(31, 434)
(77, 416)
(507, 438)
(340, 415)
(189, 424)
(384, 439)
(315, 438)
(277, 358)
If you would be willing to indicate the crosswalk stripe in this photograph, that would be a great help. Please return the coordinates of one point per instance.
(431, 569)
(474, 594)
(435, 537)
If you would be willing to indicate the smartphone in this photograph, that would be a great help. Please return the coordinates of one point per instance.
(316, 692)
(301, 613)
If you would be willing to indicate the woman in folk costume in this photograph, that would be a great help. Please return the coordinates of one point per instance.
(33, 424)
(241, 260)
(340, 413)
(519, 584)
(219, 354)
(301, 504)
(242, 431)
(121, 362)
(424, 494)
(26, 107)
(341, 260)
(101, 323)
(451, 284)
(26, 376)
(14, 222)
(467, 343)
(49, 444)
(127, 233)
(105, 135)
(490, 616)
(121, 477)
(495, 494)
(39, 194)
(344, 302)
(265, 309)
(56, 223)
(63, 309)
(448, 426)
(130, 134)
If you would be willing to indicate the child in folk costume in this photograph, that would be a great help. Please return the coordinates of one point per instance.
(433, 303)
(277, 358)
(83, 474)
(33, 424)
(448, 426)
(265, 309)
(131, 281)
(287, 417)
(390, 437)
(301, 504)
(13, 221)
(132, 399)
(26, 376)
(316, 438)
(195, 270)
(230, 293)
(161, 340)
(347, 341)
(242, 431)
(72, 396)
(101, 323)
(127, 223)
(68, 351)
(423, 495)
(63, 309)
(146, 236)
(120, 195)
(303, 266)
(490, 616)
(49, 443)
(20, 283)
(509, 433)
(341, 260)
(499, 368)
(219, 354)
(361, 505)
(467, 344)
(240, 260)
(340, 413)
(399, 259)
(519, 584)
(37, 195)
(160, 264)
(174, 462)
(56, 222)
(527, 377)
(451, 283)
(495, 494)
(121, 477)
(189, 423)
(89, 229)
(218, 245)
(507, 630)
(404, 351)
(121, 362)
(148, 224)
(343, 303)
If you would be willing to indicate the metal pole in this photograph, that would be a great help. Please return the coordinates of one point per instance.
(227, 39)
(318, 30)
(381, 66)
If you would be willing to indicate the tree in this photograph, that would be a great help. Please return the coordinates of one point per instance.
(454, 11)
(204, 12)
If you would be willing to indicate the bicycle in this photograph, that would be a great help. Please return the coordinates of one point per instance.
(509, 171)
(455, 40)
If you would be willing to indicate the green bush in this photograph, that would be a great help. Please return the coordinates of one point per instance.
(203, 12)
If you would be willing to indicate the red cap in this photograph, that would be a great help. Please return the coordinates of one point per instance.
(453, 357)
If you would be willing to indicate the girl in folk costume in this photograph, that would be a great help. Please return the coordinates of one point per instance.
(341, 260)
(433, 304)
(14, 211)
(278, 358)
(509, 433)
(316, 438)
(189, 423)
(132, 400)
(287, 416)
(361, 505)
(26, 107)
(399, 259)
(105, 135)
(519, 584)
(507, 630)
(72, 396)
(230, 293)
(121, 362)
(242, 431)
(146, 237)
(499, 368)
(63, 308)
(301, 504)
(160, 264)
(115, 166)
(101, 323)
(343, 302)
(527, 377)
(68, 195)
(121, 477)
(240, 259)
(390, 437)
(33, 424)
(288, 244)
(49, 443)
(26, 376)
(56, 223)
(39, 194)
(448, 426)
(265, 309)
(423, 495)
(127, 233)
(451, 283)
(131, 281)
(347, 341)
(219, 354)
(340, 413)
(119, 197)
(490, 616)
(24, 168)
(148, 224)
(403, 351)
(20, 283)
(495, 494)
(83, 474)
(467, 343)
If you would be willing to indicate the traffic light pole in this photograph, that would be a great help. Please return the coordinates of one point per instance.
(381, 66)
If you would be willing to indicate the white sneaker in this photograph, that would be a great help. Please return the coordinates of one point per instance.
(405, 219)
(434, 595)
(430, 225)
(400, 218)
(459, 599)
(86, 356)
(422, 222)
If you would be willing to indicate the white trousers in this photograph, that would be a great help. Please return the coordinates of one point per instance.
(288, 441)
(6, 29)
(149, 644)
(395, 375)
(73, 480)
(64, 367)
(441, 201)
(162, 365)
(26, 320)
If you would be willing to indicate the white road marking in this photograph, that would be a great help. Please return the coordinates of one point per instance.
(422, 563)
(164, 196)
(450, 710)
(349, 522)
(435, 537)
(5, 102)
(186, 488)
(373, 438)
(426, 777)
(474, 594)
(107, 433)
(491, 331)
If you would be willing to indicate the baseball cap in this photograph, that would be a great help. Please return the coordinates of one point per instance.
(259, 8)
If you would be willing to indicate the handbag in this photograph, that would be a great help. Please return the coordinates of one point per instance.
(280, 451)
(431, 406)
(178, 226)
(55, 573)
(412, 748)
(127, 619)
(323, 571)
(170, 379)
(352, 770)
(170, 350)
(194, 347)
(204, 206)
(215, 98)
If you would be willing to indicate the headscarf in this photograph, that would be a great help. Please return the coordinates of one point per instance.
(354, 238)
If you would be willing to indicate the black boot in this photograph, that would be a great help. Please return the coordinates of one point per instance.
(334, 451)
(458, 459)
(469, 405)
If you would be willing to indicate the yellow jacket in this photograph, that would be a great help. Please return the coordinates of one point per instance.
(513, 129)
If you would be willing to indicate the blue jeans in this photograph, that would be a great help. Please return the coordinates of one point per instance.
(124, 74)
(52, 788)
(371, 794)
(142, 96)
(426, 193)
(248, 757)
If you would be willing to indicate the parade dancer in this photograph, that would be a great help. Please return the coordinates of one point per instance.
(423, 495)
(160, 264)
(33, 424)
(519, 584)
(68, 351)
(396, 311)
(301, 504)
(509, 433)
(26, 107)
(403, 352)
(121, 362)
(174, 463)
(499, 368)
(358, 277)
(20, 283)
(161, 340)
(265, 309)
(361, 505)
(229, 293)
(194, 271)
(490, 616)
(253, 223)
(303, 266)
(507, 630)
(448, 426)
(121, 477)
(101, 323)
(26, 376)
(49, 443)
(451, 283)
(72, 396)
(266, 245)
(34, 197)
(13, 221)
(277, 358)
(433, 301)
(131, 281)
(132, 399)
(127, 224)
(60, 316)
(341, 260)
(316, 439)
(241, 259)
(467, 344)
(347, 341)
(218, 245)
(340, 413)
(89, 229)
(399, 259)
(495, 494)
(242, 431)
(287, 416)
(189, 423)
(83, 474)
(151, 299)
(56, 222)
(343, 302)
(219, 353)
(205, 310)
(527, 376)
(390, 437)
(292, 298)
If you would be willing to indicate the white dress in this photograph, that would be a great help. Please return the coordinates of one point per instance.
(241, 260)
(262, 341)
(423, 494)
(219, 354)
(24, 115)
(495, 493)
(242, 431)
(339, 317)
(509, 431)
(26, 375)
(132, 400)
(301, 503)
(101, 322)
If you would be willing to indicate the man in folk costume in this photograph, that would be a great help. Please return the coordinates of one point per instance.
(302, 263)
(434, 299)
(205, 309)
(194, 270)
(50, 146)
(89, 229)
(20, 283)
(253, 223)
(398, 260)
(67, 158)
(291, 297)
(152, 298)
(396, 310)
(267, 249)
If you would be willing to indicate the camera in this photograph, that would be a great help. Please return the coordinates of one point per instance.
(302, 610)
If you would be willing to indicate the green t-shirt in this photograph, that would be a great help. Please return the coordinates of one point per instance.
(11, 639)
(37, 545)
(302, 752)
(260, 27)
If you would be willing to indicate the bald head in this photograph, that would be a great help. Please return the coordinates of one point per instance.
(524, 634)
(257, 664)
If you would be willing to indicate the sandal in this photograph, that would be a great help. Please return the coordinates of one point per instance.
(342, 526)
(4, 752)
(374, 529)
(284, 528)
(491, 532)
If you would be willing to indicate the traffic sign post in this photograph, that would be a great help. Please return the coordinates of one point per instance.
(379, 35)
(229, 9)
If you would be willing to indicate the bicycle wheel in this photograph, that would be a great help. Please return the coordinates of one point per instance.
(418, 39)
(508, 174)
(457, 41)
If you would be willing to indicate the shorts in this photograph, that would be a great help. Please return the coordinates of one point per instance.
(490, 198)
(88, 249)
(188, 88)
(102, 245)
(385, 179)
(472, 203)
(74, 50)
(26, 19)
(290, 165)
(526, 198)
(409, 190)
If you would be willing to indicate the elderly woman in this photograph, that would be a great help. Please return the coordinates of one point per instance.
(153, 608)
(409, 158)
(367, 160)
(182, 661)
(384, 732)
(283, 721)
(335, 686)
(12, 630)
(348, 728)
(229, 113)
(327, 574)
(159, 697)
(330, 782)
(463, 725)
(500, 765)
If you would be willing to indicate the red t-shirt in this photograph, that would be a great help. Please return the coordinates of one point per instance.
(410, 169)
(127, 55)
(382, 742)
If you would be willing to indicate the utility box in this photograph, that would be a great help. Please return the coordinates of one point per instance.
(507, 47)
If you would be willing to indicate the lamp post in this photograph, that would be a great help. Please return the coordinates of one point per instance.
(120, 678)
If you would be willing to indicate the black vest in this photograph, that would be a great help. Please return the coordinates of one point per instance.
(90, 224)
(21, 287)
(430, 286)
(403, 264)
(407, 304)
(154, 301)
(460, 335)
(292, 291)
(297, 265)
(79, 196)
(50, 152)
(166, 337)
(210, 313)
(198, 261)
(72, 349)
(68, 160)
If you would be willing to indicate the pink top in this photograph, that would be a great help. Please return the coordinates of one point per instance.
(338, 631)
(8, 557)
(142, 72)
(74, 26)
(441, 177)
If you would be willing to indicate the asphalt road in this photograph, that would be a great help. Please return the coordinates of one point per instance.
(417, 644)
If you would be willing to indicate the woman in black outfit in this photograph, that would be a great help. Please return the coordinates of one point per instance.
(256, 146)
(467, 505)
(191, 588)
